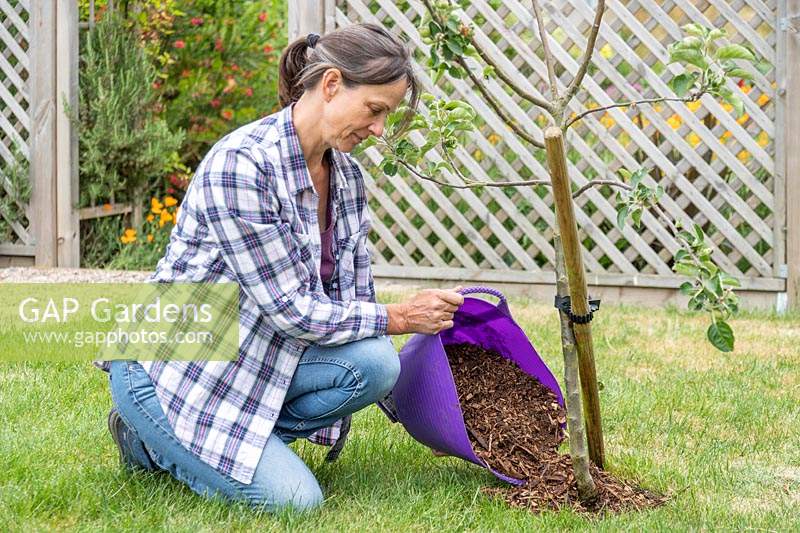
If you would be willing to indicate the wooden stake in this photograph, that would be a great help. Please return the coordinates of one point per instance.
(576, 276)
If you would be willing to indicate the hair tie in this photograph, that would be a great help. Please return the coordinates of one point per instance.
(311, 39)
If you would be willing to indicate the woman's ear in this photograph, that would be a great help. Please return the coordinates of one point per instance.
(331, 83)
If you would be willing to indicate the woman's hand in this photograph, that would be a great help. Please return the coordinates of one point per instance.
(429, 311)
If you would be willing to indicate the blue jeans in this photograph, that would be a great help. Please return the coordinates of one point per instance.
(329, 383)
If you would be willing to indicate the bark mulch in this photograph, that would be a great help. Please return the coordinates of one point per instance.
(513, 422)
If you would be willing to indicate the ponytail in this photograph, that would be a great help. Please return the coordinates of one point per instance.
(292, 62)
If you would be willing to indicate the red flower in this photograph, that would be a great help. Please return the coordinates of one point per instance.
(197, 21)
(170, 190)
(215, 103)
(234, 67)
(218, 45)
(179, 44)
(262, 17)
(267, 49)
(156, 85)
(249, 91)
(227, 114)
(185, 73)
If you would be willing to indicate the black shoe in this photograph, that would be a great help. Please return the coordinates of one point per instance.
(132, 452)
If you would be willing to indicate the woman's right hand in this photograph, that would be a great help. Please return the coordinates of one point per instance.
(429, 311)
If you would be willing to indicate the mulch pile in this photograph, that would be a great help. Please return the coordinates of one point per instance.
(513, 422)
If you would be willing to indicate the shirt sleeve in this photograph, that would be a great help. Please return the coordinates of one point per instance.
(268, 259)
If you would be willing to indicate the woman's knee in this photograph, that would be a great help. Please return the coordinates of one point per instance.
(293, 494)
(379, 365)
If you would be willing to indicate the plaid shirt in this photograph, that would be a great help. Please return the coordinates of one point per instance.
(250, 215)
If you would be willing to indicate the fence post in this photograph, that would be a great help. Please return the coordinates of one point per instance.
(789, 96)
(43, 129)
(306, 16)
(67, 195)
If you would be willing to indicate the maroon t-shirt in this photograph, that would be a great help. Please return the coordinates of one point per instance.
(326, 239)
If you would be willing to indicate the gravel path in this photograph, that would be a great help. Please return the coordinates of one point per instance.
(69, 275)
(97, 275)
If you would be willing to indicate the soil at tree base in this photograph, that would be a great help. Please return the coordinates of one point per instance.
(514, 424)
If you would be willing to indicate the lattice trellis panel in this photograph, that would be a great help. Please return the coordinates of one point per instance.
(14, 105)
(718, 170)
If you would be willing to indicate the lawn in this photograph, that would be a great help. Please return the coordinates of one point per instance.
(719, 432)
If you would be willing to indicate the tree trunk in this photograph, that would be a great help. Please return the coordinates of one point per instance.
(587, 491)
(576, 276)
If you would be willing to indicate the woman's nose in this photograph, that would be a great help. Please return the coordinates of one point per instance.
(376, 128)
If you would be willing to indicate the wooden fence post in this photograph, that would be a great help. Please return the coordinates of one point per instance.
(789, 99)
(66, 150)
(306, 16)
(42, 80)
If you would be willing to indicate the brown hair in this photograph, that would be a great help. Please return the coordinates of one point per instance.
(365, 54)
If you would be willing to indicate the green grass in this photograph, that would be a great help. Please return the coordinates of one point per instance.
(720, 432)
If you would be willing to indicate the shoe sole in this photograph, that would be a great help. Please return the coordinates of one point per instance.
(114, 419)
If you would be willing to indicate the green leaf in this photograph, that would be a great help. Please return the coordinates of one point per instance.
(685, 270)
(735, 51)
(736, 102)
(455, 47)
(688, 55)
(636, 217)
(692, 42)
(737, 72)
(720, 335)
(681, 84)
(390, 169)
(716, 33)
(687, 287)
(622, 216)
(695, 29)
(625, 173)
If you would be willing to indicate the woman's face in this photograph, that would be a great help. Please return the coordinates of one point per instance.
(351, 114)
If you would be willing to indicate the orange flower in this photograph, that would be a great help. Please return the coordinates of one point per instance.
(227, 114)
(725, 136)
(169, 201)
(762, 139)
(155, 205)
(107, 207)
(693, 139)
(150, 217)
(164, 218)
(150, 237)
(674, 121)
(763, 100)
(744, 118)
(129, 236)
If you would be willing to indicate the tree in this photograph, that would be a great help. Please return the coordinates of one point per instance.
(454, 49)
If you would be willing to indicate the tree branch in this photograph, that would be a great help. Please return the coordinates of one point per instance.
(471, 184)
(594, 183)
(582, 114)
(548, 56)
(532, 98)
(576, 82)
(492, 101)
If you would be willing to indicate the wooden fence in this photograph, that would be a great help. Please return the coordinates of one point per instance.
(738, 178)
(38, 74)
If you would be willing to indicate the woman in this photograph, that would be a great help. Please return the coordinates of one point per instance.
(279, 206)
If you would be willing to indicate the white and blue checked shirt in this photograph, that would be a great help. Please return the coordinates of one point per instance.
(250, 215)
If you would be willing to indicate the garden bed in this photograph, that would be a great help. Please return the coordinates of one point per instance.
(514, 424)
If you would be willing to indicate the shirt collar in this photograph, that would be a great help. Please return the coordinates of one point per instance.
(294, 161)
